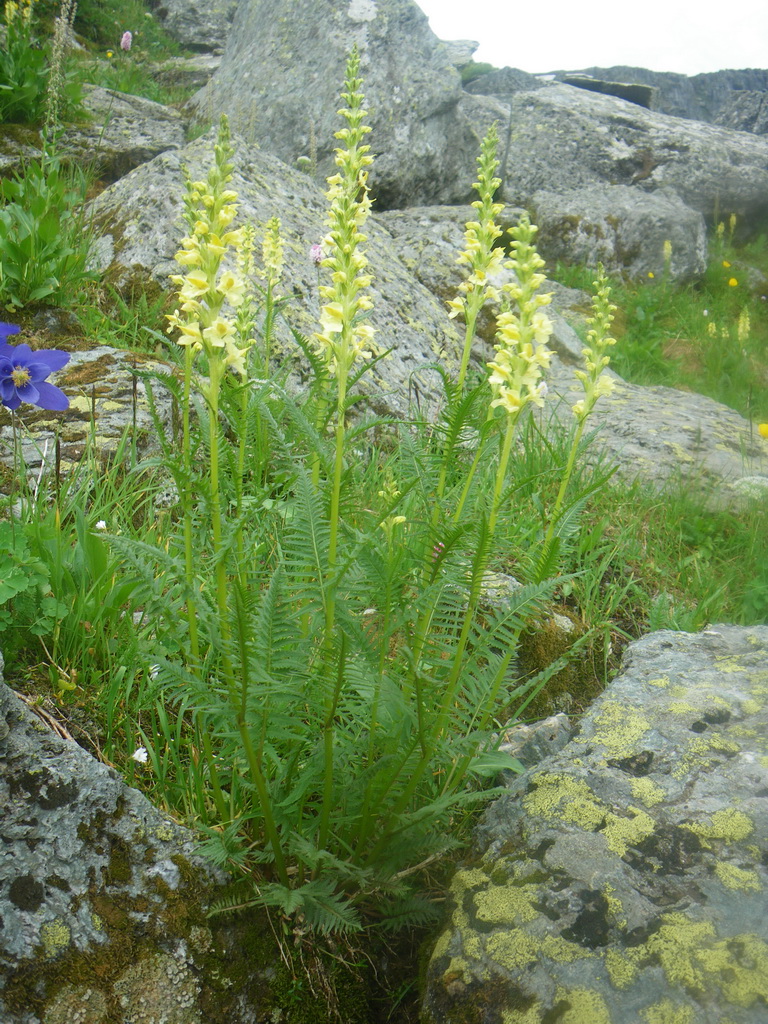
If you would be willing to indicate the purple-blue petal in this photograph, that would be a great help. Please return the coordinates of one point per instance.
(6, 329)
(50, 397)
(13, 402)
(29, 393)
(54, 358)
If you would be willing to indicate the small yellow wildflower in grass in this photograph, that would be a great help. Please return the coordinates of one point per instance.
(762, 429)
(726, 263)
(732, 282)
(744, 326)
(480, 254)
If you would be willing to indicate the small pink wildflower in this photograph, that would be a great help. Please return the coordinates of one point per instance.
(316, 253)
(125, 42)
(437, 550)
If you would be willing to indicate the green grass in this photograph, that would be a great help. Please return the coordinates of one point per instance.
(690, 336)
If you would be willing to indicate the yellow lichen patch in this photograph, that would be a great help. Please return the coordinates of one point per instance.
(737, 878)
(557, 796)
(667, 1012)
(743, 980)
(584, 1007)
(502, 904)
(678, 945)
(458, 968)
(618, 728)
(729, 824)
(621, 833)
(55, 937)
(621, 971)
(647, 792)
(750, 707)
(80, 403)
(441, 946)
(661, 681)
(513, 949)
(464, 880)
(702, 753)
(729, 664)
(682, 707)
(555, 947)
(530, 1016)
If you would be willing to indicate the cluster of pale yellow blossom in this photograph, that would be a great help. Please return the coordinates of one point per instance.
(272, 254)
(343, 336)
(479, 253)
(522, 331)
(206, 288)
(594, 380)
(19, 13)
(390, 493)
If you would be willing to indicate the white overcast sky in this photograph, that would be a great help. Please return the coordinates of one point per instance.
(662, 35)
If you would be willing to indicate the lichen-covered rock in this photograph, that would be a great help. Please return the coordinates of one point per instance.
(623, 880)
(107, 391)
(663, 436)
(282, 71)
(101, 896)
(140, 221)
(746, 112)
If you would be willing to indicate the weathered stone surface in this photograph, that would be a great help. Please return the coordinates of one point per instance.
(283, 69)
(623, 880)
(203, 27)
(105, 388)
(186, 72)
(642, 95)
(505, 82)
(623, 228)
(102, 899)
(124, 131)
(746, 112)
(564, 138)
(140, 239)
(662, 436)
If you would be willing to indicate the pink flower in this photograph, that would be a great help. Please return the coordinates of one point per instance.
(316, 253)
(125, 42)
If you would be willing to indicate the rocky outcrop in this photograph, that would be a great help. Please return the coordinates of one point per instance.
(745, 111)
(623, 879)
(698, 97)
(564, 138)
(280, 77)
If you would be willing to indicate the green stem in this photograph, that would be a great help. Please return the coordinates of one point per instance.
(563, 485)
(501, 472)
(188, 553)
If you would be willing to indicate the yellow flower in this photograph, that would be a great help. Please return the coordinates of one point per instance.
(651, 274)
(762, 429)
(232, 288)
(726, 263)
(110, 53)
(732, 282)
(217, 334)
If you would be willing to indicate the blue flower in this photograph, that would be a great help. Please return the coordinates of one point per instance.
(23, 373)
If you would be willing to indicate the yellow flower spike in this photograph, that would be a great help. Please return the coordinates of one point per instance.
(596, 384)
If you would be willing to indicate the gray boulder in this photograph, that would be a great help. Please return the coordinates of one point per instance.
(564, 138)
(282, 72)
(140, 221)
(623, 879)
(122, 132)
(102, 898)
(666, 438)
(202, 27)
